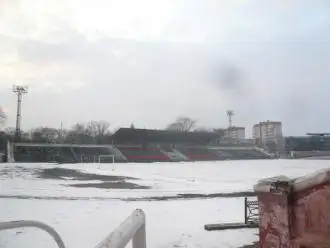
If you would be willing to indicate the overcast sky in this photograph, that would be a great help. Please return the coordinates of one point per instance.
(148, 61)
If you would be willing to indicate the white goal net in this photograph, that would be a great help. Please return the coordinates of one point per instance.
(106, 159)
(97, 159)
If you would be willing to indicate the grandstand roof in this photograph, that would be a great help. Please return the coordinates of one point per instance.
(163, 136)
(318, 134)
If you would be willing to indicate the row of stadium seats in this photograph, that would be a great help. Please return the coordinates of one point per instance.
(236, 154)
(109, 154)
(162, 154)
(198, 153)
(307, 154)
(66, 154)
(140, 154)
(105, 154)
(43, 154)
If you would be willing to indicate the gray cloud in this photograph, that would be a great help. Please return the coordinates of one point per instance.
(276, 69)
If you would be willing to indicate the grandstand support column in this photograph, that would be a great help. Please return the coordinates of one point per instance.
(74, 154)
(19, 91)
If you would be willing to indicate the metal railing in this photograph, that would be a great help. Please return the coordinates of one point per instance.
(133, 228)
(251, 213)
(36, 224)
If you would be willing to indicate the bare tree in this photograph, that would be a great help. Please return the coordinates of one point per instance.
(201, 129)
(79, 128)
(79, 134)
(10, 131)
(3, 119)
(182, 124)
(99, 131)
(98, 128)
(45, 134)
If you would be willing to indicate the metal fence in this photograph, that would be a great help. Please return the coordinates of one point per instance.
(251, 213)
(36, 224)
(133, 228)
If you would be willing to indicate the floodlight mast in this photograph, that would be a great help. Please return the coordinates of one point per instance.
(230, 114)
(19, 91)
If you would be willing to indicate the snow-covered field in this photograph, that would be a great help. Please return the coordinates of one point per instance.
(83, 216)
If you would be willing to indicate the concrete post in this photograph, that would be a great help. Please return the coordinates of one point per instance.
(274, 207)
(294, 211)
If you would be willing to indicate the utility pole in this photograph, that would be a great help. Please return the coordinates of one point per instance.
(19, 91)
(62, 133)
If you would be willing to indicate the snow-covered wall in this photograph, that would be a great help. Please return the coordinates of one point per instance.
(289, 209)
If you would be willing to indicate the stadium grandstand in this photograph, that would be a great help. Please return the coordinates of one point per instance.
(65, 153)
(138, 145)
(3, 144)
(311, 145)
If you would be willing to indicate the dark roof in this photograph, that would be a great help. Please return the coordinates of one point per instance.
(308, 137)
(318, 134)
(162, 136)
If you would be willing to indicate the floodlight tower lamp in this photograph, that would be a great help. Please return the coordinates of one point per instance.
(230, 114)
(19, 91)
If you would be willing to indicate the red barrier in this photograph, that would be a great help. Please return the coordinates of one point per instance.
(291, 210)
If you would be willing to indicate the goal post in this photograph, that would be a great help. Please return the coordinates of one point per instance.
(108, 157)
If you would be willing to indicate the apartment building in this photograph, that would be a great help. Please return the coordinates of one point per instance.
(234, 133)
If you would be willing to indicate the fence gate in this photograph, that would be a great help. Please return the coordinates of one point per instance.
(251, 211)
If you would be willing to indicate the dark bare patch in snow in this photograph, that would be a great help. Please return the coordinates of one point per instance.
(107, 181)
(70, 174)
(110, 185)
(128, 199)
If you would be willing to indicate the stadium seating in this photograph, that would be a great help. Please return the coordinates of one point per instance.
(223, 154)
(109, 154)
(174, 154)
(66, 154)
(236, 154)
(139, 154)
(198, 153)
(92, 154)
(43, 154)
(166, 148)
(307, 154)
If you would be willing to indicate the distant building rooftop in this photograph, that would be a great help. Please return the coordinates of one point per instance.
(267, 122)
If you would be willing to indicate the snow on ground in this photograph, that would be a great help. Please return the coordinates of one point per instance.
(164, 178)
(169, 224)
(175, 223)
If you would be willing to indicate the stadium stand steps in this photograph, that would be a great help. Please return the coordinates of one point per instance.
(198, 153)
(239, 154)
(44, 153)
(139, 154)
(98, 154)
(174, 154)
